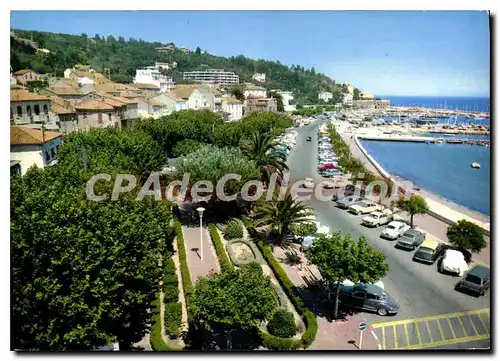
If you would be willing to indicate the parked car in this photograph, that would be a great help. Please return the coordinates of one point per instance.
(376, 219)
(348, 201)
(348, 191)
(476, 281)
(328, 184)
(394, 230)
(369, 298)
(329, 173)
(429, 251)
(308, 139)
(453, 261)
(411, 239)
(309, 183)
(364, 207)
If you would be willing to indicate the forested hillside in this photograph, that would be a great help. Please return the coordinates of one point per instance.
(122, 57)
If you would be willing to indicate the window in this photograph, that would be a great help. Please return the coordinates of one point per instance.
(84, 115)
(359, 294)
(371, 296)
(47, 156)
(28, 110)
(11, 116)
(109, 116)
(53, 152)
(19, 110)
(45, 109)
(99, 118)
(37, 109)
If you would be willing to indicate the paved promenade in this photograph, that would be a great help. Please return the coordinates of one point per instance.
(427, 222)
(331, 335)
(197, 266)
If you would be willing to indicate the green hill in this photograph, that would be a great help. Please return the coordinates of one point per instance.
(123, 57)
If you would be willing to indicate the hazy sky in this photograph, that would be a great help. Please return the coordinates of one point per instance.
(383, 52)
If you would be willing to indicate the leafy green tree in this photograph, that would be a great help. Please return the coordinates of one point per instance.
(281, 215)
(279, 100)
(339, 258)
(304, 229)
(467, 237)
(282, 324)
(185, 147)
(415, 205)
(236, 299)
(198, 50)
(237, 92)
(83, 273)
(356, 94)
(37, 85)
(261, 148)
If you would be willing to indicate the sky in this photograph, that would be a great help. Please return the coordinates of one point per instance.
(428, 53)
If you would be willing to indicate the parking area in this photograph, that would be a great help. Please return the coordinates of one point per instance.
(433, 331)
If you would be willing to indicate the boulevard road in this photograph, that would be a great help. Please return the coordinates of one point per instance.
(421, 290)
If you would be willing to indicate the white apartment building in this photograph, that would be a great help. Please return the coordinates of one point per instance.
(152, 75)
(212, 76)
(166, 66)
(347, 100)
(287, 96)
(233, 107)
(254, 91)
(260, 77)
(325, 96)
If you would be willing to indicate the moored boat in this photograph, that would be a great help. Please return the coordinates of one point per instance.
(475, 165)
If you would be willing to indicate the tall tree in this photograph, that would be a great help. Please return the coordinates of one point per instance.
(83, 273)
(467, 237)
(279, 100)
(339, 258)
(281, 215)
(236, 299)
(415, 205)
(261, 148)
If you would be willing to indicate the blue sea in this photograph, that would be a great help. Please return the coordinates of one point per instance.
(443, 169)
(479, 104)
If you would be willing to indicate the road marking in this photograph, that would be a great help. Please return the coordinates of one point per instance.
(482, 322)
(441, 331)
(449, 342)
(407, 337)
(430, 318)
(462, 326)
(395, 338)
(473, 326)
(376, 338)
(451, 328)
(383, 338)
(429, 331)
(418, 334)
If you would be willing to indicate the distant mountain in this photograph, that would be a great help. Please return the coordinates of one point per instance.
(123, 57)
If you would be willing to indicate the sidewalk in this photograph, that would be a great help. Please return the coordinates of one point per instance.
(331, 335)
(197, 266)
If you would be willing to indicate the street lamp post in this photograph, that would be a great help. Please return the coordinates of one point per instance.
(200, 211)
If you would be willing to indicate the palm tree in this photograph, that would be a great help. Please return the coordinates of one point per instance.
(280, 215)
(260, 148)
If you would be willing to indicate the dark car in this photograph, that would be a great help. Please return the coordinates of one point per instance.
(347, 191)
(430, 251)
(308, 139)
(476, 281)
(411, 239)
(369, 298)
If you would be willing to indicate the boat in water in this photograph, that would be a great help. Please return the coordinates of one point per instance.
(454, 141)
(475, 165)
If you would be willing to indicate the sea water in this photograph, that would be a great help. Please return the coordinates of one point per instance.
(443, 169)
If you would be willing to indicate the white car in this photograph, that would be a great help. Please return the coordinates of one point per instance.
(309, 183)
(376, 219)
(394, 230)
(364, 207)
(453, 262)
(328, 184)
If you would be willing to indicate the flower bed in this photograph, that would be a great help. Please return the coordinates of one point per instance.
(234, 257)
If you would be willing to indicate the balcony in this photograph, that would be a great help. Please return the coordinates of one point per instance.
(30, 119)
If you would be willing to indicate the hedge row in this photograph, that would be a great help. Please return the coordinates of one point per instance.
(172, 315)
(225, 263)
(185, 275)
(155, 338)
(311, 323)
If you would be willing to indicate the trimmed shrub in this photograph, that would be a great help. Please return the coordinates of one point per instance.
(233, 230)
(170, 293)
(282, 324)
(185, 275)
(277, 343)
(173, 319)
(225, 263)
(257, 267)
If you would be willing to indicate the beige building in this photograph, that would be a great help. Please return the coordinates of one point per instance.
(254, 91)
(30, 146)
(96, 114)
(146, 89)
(260, 105)
(25, 75)
(366, 96)
(73, 95)
(31, 109)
